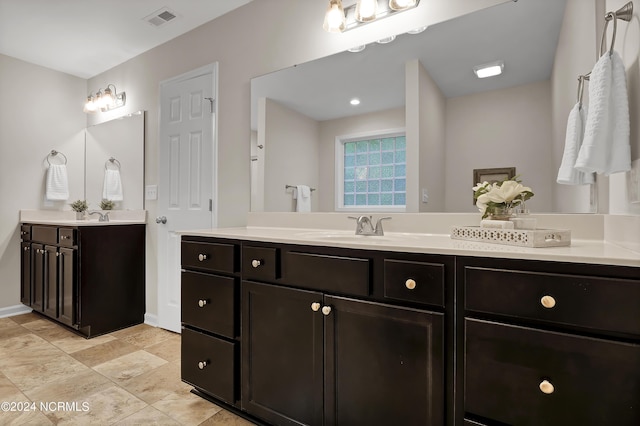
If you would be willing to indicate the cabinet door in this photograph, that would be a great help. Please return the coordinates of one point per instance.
(281, 354)
(25, 275)
(67, 286)
(51, 281)
(37, 293)
(384, 365)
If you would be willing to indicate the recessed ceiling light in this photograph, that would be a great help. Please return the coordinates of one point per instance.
(355, 101)
(356, 49)
(489, 70)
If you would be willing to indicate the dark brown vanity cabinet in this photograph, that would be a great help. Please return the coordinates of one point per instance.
(316, 335)
(90, 278)
(549, 343)
(210, 291)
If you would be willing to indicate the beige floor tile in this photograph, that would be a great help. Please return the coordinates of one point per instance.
(129, 331)
(168, 349)
(47, 370)
(103, 408)
(25, 318)
(71, 344)
(148, 337)
(75, 387)
(131, 365)
(186, 407)
(25, 418)
(14, 346)
(9, 391)
(226, 418)
(48, 330)
(156, 384)
(104, 352)
(9, 329)
(148, 416)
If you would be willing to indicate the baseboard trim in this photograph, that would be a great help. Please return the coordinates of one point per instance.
(151, 319)
(11, 311)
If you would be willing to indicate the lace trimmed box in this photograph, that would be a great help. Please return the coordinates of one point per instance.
(514, 237)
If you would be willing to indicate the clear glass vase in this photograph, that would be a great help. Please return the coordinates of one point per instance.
(501, 213)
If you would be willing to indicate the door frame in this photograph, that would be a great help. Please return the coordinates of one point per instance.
(212, 70)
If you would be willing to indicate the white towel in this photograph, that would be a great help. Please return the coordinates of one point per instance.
(303, 198)
(567, 174)
(57, 182)
(112, 188)
(605, 148)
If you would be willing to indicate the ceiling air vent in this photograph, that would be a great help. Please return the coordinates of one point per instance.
(160, 17)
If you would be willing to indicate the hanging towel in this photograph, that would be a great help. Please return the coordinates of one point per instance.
(57, 182)
(112, 189)
(303, 198)
(605, 148)
(567, 174)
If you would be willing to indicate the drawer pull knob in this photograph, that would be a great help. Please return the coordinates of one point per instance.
(326, 310)
(548, 302)
(410, 283)
(26, 249)
(315, 306)
(64, 237)
(202, 365)
(255, 263)
(546, 387)
(202, 303)
(202, 257)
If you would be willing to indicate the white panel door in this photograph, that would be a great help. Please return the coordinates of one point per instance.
(186, 190)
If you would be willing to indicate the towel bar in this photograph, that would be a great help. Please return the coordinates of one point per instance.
(294, 186)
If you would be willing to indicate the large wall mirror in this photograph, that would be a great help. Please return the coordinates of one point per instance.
(498, 122)
(117, 144)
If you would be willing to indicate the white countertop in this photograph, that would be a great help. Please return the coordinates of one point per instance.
(67, 218)
(580, 251)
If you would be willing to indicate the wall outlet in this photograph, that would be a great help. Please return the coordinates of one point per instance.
(425, 195)
(151, 192)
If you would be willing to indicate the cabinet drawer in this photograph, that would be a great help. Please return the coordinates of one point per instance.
(25, 232)
(343, 275)
(260, 263)
(605, 304)
(589, 381)
(67, 237)
(209, 302)
(209, 256)
(45, 234)
(414, 281)
(209, 364)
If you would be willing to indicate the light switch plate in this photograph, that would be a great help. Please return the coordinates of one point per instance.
(151, 192)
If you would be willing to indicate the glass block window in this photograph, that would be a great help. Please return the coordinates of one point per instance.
(374, 172)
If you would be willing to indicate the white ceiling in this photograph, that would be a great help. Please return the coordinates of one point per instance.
(524, 34)
(87, 37)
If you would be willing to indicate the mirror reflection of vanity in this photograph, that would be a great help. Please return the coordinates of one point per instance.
(120, 139)
(504, 121)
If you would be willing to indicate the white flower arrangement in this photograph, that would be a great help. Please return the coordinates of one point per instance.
(508, 194)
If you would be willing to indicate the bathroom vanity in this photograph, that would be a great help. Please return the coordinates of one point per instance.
(85, 275)
(291, 328)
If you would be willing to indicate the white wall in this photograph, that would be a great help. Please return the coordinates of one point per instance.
(291, 156)
(490, 129)
(330, 129)
(40, 110)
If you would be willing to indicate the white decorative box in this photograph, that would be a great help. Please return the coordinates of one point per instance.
(514, 237)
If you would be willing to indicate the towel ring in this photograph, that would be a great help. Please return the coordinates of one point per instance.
(625, 13)
(113, 161)
(54, 153)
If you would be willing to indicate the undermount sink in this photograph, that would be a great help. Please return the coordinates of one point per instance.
(349, 236)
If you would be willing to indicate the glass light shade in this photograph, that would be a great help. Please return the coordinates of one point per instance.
(108, 99)
(335, 20)
(402, 4)
(489, 70)
(366, 10)
(90, 105)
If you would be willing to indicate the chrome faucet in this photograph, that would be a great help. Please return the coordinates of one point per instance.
(103, 217)
(364, 225)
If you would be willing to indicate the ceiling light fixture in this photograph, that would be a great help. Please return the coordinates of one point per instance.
(105, 101)
(354, 101)
(489, 70)
(338, 19)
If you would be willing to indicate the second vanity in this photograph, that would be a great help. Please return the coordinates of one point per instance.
(292, 327)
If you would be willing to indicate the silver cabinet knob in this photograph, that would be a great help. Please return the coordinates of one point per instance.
(546, 387)
(202, 365)
(161, 219)
(255, 263)
(202, 303)
(202, 257)
(410, 283)
(548, 301)
(315, 306)
(64, 237)
(57, 254)
(26, 249)
(326, 310)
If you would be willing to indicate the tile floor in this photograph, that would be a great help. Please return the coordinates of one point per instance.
(129, 377)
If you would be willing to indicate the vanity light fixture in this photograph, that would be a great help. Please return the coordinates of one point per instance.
(338, 19)
(417, 30)
(356, 49)
(105, 100)
(489, 70)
